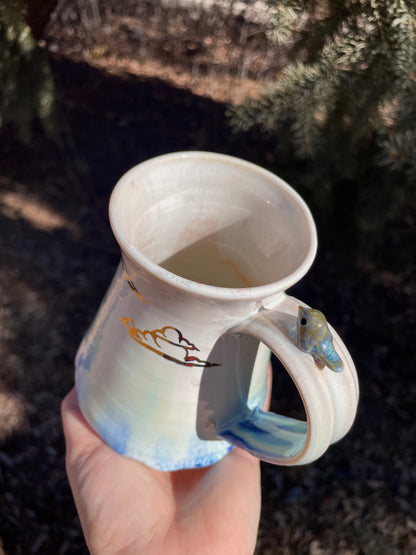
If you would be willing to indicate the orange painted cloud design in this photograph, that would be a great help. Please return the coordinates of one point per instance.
(168, 342)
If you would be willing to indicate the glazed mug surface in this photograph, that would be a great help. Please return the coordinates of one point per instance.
(173, 371)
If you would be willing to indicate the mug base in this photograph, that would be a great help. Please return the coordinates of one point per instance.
(163, 454)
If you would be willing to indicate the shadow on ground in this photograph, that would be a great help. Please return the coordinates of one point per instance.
(58, 256)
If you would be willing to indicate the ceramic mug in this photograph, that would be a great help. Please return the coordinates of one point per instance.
(173, 372)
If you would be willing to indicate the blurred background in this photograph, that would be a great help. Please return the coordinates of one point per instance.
(321, 93)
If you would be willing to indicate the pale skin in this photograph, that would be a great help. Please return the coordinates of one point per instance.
(128, 508)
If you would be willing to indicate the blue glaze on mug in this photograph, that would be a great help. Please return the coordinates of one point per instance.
(117, 436)
(257, 433)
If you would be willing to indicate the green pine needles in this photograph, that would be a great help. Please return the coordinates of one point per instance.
(26, 83)
(348, 92)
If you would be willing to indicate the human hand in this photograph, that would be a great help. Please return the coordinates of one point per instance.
(128, 508)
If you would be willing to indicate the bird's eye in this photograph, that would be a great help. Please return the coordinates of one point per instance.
(303, 322)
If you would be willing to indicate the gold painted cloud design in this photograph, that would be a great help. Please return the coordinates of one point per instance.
(167, 342)
(130, 282)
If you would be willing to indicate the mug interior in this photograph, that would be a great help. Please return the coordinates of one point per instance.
(203, 214)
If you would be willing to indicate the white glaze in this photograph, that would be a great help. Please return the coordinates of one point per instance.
(174, 412)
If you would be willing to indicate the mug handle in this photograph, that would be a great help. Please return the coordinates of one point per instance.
(330, 399)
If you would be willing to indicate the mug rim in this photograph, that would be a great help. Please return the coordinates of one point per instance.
(202, 289)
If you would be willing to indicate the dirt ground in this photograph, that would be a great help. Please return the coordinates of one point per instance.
(129, 90)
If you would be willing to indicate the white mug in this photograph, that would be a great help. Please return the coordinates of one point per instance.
(173, 371)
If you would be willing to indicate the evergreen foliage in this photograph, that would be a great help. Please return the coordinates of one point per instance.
(26, 84)
(348, 97)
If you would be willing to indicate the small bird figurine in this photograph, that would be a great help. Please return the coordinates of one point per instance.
(313, 337)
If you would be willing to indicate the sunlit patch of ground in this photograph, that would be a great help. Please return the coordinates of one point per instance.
(12, 413)
(220, 89)
(206, 51)
(14, 205)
